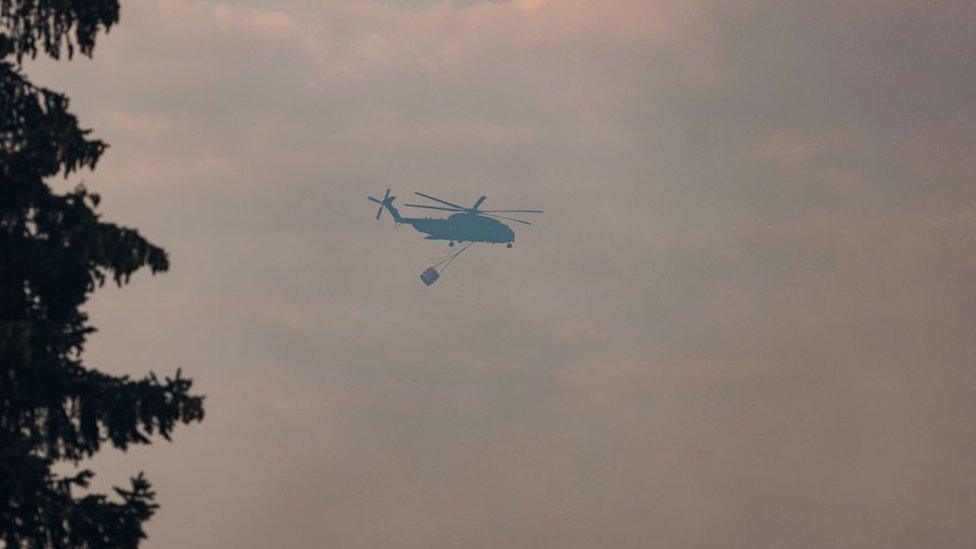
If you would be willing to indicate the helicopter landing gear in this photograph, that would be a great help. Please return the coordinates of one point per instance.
(450, 244)
(509, 245)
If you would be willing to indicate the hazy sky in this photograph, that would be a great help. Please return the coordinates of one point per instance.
(745, 319)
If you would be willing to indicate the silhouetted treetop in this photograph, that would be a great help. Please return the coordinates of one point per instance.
(55, 250)
(53, 26)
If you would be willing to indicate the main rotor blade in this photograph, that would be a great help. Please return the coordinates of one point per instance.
(478, 203)
(434, 207)
(371, 199)
(441, 201)
(513, 211)
(506, 218)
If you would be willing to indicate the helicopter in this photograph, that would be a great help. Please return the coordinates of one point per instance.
(465, 225)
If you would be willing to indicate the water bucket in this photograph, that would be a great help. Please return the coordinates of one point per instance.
(429, 276)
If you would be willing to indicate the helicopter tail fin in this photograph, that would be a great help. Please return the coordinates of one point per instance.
(387, 203)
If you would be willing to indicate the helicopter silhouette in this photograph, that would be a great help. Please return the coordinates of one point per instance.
(465, 225)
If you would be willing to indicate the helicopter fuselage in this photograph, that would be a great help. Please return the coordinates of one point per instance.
(462, 227)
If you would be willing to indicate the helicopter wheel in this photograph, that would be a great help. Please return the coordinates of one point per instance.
(509, 245)
(450, 244)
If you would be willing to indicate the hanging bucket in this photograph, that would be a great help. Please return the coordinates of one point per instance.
(429, 276)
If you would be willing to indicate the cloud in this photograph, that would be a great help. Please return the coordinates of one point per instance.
(142, 125)
(582, 331)
(787, 150)
(743, 319)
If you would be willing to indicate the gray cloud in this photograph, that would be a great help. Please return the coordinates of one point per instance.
(743, 320)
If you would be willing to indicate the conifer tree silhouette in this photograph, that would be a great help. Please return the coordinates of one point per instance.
(54, 252)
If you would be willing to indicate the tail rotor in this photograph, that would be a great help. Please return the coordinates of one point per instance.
(387, 200)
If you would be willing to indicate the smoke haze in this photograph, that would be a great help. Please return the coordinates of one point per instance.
(745, 319)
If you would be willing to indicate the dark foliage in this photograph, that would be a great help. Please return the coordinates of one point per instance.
(54, 252)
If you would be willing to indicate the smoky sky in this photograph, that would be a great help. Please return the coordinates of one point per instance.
(744, 320)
